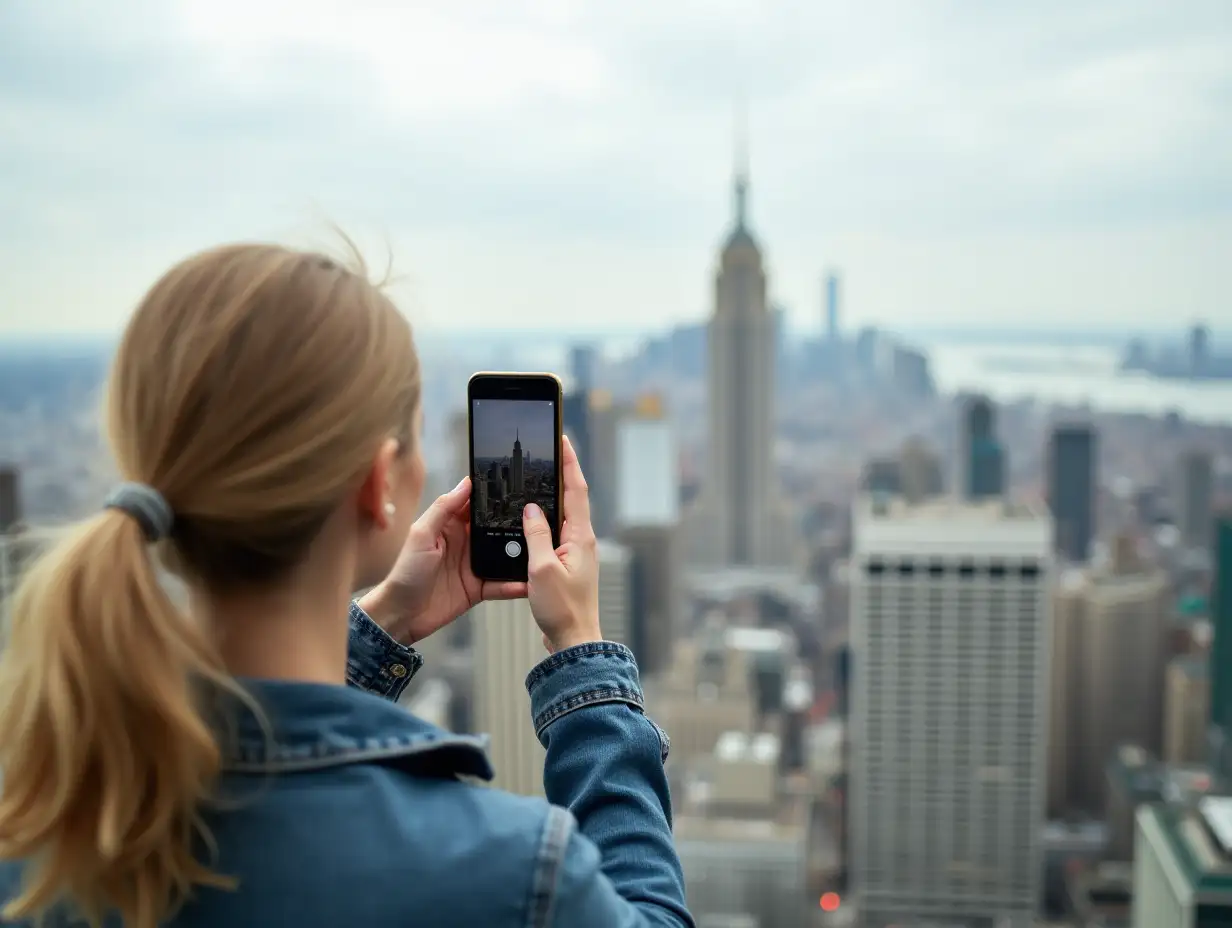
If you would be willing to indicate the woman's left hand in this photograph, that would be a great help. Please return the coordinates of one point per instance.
(432, 583)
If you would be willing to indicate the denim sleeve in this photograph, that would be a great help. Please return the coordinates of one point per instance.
(617, 868)
(375, 662)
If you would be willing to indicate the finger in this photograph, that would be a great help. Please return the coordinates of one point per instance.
(577, 497)
(540, 552)
(493, 589)
(443, 508)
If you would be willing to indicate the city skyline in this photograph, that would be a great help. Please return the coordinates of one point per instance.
(497, 424)
(930, 159)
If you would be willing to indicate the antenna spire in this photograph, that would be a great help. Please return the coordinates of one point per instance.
(741, 178)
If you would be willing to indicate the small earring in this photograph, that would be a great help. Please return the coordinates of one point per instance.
(389, 509)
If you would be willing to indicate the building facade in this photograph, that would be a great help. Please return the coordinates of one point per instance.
(1183, 865)
(615, 569)
(648, 525)
(739, 517)
(508, 644)
(981, 457)
(1195, 499)
(950, 629)
(1072, 482)
(1109, 652)
(1187, 708)
(1219, 736)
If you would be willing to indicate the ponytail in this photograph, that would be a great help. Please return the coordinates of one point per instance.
(106, 753)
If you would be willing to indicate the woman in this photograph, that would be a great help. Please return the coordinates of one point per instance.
(218, 770)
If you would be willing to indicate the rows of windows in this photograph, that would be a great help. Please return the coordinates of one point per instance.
(964, 570)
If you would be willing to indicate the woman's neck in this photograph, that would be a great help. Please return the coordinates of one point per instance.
(297, 632)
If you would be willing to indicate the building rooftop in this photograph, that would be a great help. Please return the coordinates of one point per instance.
(758, 640)
(946, 508)
(1198, 840)
(947, 527)
(737, 747)
(732, 583)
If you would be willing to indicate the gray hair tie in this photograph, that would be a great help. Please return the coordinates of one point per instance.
(145, 506)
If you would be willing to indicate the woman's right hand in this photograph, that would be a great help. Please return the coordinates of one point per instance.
(564, 582)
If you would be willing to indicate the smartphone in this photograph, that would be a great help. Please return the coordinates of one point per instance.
(515, 429)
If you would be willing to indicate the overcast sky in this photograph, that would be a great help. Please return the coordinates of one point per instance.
(567, 162)
(497, 424)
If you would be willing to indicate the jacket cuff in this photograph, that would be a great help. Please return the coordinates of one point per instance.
(584, 675)
(375, 662)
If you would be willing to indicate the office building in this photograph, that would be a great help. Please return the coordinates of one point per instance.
(981, 457)
(582, 362)
(1195, 499)
(1187, 707)
(1072, 482)
(605, 415)
(1183, 865)
(910, 373)
(1135, 778)
(1107, 676)
(882, 475)
(739, 517)
(615, 600)
(1219, 735)
(949, 628)
(575, 419)
(648, 525)
(10, 498)
(919, 472)
(742, 846)
(707, 691)
(508, 644)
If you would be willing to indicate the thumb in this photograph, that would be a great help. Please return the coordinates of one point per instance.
(539, 549)
(444, 508)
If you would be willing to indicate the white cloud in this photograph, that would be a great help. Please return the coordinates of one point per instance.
(568, 162)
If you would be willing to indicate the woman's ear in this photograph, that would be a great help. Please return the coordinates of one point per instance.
(376, 494)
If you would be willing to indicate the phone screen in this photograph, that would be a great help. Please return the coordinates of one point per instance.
(514, 461)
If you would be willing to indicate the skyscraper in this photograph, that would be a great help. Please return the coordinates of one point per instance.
(575, 416)
(1220, 735)
(919, 471)
(1107, 675)
(508, 644)
(604, 415)
(582, 368)
(1071, 489)
(739, 517)
(647, 524)
(517, 478)
(981, 457)
(615, 562)
(1195, 499)
(949, 626)
(10, 498)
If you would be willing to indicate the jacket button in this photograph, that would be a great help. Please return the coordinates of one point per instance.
(398, 670)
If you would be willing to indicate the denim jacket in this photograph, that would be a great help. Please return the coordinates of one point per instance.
(357, 813)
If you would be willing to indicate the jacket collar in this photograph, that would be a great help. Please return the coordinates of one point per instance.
(313, 726)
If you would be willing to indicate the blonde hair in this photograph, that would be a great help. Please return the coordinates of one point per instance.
(252, 389)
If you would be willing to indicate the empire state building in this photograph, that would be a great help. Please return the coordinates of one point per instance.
(739, 518)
